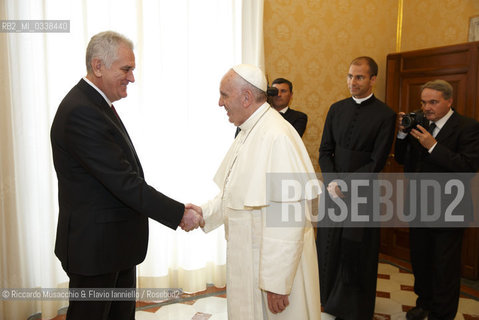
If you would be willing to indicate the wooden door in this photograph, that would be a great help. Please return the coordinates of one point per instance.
(405, 74)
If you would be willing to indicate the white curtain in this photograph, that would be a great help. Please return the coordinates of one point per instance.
(182, 50)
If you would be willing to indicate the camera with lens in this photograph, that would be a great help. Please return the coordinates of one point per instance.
(272, 91)
(411, 120)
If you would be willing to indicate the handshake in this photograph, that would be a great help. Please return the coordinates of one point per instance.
(192, 218)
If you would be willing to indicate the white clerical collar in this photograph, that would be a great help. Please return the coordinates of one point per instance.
(284, 110)
(359, 100)
(251, 121)
(99, 91)
(441, 122)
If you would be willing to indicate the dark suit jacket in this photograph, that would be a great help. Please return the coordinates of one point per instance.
(297, 119)
(104, 200)
(457, 151)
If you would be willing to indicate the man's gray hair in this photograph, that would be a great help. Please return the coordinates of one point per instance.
(104, 46)
(439, 85)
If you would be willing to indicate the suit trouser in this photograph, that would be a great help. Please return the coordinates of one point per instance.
(103, 310)
(436, 264)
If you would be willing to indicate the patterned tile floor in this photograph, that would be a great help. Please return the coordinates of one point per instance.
(394, 297)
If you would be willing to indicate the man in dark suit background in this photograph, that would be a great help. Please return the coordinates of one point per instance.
(281, 102)
(104, 200)
(450, 146)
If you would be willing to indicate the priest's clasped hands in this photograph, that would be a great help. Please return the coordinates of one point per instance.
(192, 218)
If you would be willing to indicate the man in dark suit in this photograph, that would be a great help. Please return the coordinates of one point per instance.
(449, 146)
(281, 102)
(104, 201)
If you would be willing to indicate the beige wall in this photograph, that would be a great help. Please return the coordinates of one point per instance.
(312, 42)
(436, 23)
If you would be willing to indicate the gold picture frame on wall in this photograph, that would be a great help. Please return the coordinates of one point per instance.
(474, 28)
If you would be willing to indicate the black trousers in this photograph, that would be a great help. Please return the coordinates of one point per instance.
(103, 310)
(436, 264)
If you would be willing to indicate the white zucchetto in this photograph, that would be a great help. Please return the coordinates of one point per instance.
(253, 75)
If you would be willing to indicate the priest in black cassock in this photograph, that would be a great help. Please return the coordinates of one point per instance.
(357, 138)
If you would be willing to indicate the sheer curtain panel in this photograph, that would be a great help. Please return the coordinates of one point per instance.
(182, 50)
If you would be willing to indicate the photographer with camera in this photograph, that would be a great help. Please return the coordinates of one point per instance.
(437, 140)
(280, 101)
(279, 97)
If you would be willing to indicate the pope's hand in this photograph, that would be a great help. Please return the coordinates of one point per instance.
(277, 302)
(191, 219)
(198, 210)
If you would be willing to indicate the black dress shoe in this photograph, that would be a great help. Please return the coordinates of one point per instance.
(417, 313)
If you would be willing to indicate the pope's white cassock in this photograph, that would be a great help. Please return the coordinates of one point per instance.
(262, 256)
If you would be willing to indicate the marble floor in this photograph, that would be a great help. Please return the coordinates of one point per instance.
(394, 297)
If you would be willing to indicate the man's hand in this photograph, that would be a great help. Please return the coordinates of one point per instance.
(399, 121)
(334, 190)
(194, 207)
(198, 210)
(192, 218)
(277, 302)
(424, 137)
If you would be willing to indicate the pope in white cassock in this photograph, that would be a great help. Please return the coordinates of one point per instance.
(272, 270)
